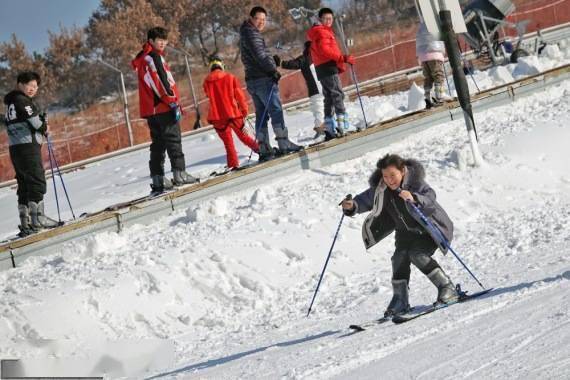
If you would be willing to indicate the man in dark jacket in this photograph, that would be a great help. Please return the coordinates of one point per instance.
(261, 78)
(305, 64)
(159, 104)
(26, 127)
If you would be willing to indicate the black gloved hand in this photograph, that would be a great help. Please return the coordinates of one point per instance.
(277, 60)
(44, 119)
(276, 76)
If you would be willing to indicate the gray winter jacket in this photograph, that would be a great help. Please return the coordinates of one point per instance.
(427, 42)
(257, 61)
(384, 217)
(23, 122)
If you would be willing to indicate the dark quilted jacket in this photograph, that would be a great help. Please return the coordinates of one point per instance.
(257, 61)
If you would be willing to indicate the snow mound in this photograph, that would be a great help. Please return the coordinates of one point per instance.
(501, 75)
(415, 98)
(527, 66)
(218, 207)
(552, 52)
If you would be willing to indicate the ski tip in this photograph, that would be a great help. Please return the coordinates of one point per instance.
(356, 328)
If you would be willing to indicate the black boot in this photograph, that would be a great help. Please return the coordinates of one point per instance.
(266, 152)
(38, 218)
(180, 177)
(446, 292)
(400, 300)
(25, 221)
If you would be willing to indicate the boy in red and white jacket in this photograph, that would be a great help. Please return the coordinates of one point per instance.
(228, 108)
(329, 63)
(159, 104)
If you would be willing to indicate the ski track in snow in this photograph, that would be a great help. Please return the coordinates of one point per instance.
(229, 280)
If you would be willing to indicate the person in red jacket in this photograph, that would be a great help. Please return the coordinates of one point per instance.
(329, 63)
(228, 108)
(159, 104)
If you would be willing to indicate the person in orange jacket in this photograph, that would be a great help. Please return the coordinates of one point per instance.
(228, 108)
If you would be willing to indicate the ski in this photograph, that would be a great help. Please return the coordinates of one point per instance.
(464, 297)
(218, 173)
(363, 326)
(366, 325)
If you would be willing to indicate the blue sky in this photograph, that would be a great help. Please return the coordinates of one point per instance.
(30, 20)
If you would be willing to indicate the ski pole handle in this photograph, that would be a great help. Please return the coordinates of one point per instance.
(347, 198)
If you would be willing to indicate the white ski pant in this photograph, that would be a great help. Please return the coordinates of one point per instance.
(317, 109)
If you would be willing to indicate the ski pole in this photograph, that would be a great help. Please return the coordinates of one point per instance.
(428, 224)
(258, 123)
(358, 95)
(464, 59)
(253, 129)
(328, 258)
(54, 185)
(50, 147)
(341, 29)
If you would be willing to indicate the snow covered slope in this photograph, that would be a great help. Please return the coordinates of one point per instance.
(229, 281)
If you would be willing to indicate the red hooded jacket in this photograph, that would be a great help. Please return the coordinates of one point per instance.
(157, 88)
(324, 48)
(227, 100)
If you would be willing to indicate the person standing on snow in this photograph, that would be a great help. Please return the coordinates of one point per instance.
(261, 78)
(26, 127)
(329, 63)
(305, 64)
(228, 108)
(159, 105)
(394, 183)
(431, 54)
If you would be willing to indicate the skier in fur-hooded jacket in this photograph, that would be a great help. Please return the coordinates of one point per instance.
(385, 218)
(390, 211)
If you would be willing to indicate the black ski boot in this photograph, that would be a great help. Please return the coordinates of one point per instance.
(400, 300)
(25, 221)
(446, 291)
(285, 145)
(266, 152)
(160, 184)
(38, 218)
(180, 177)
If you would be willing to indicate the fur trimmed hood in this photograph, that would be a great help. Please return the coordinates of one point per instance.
(415, 173)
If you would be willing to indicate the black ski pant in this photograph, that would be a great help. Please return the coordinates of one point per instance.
(334, 97)
(30, 174)
(166, 138)
(420, 257)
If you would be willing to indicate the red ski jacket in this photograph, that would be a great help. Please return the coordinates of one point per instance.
(157, 88)
(324, 48)
(227, 100)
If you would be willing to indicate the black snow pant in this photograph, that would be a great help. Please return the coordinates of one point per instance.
(30, 174)
(166, 137)
(334, 97)
(420, 257)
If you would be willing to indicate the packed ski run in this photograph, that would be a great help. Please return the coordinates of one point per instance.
(229, 281)
(122, 179)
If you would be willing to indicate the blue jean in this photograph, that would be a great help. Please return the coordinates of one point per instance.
(259, 90)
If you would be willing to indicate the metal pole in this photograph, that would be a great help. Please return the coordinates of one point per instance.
(125, 101)
(459, 78)
(198, 123)
(126, 110)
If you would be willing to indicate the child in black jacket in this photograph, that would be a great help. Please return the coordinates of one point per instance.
(26, 127)
(305, 64)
